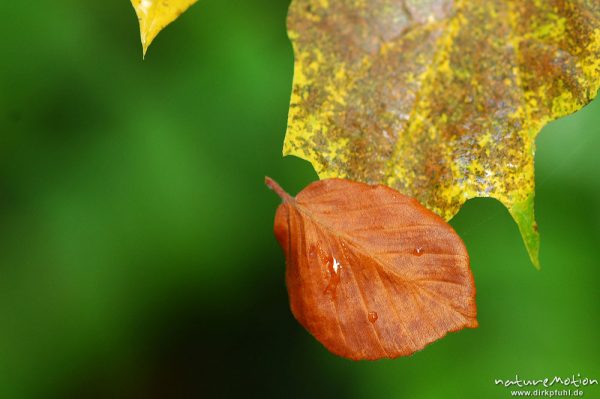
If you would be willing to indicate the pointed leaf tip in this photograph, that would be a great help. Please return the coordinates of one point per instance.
(155, 15)
(523, 214)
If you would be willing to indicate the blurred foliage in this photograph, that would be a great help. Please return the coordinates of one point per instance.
(137, 257)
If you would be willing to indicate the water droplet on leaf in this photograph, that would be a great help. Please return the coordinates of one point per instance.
(334, 277)
(373, 317)
(312, 252)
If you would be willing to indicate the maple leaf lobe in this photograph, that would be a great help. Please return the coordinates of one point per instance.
(155, 15)
(439, 99)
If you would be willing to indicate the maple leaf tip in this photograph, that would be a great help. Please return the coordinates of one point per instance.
(145, 45)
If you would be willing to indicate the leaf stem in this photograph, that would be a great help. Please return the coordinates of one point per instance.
(272, 184)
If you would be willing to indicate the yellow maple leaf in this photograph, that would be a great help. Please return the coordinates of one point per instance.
(154, 15)
(439, 99)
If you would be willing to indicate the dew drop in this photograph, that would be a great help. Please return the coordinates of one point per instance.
(333, 267)
(336, 265)
(373, 317)
(418, 251)
(312, 252)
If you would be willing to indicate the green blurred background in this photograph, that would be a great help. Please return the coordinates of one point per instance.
(137, 258)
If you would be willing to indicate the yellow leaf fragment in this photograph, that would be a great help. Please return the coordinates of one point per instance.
(154, 15)
(439, 99)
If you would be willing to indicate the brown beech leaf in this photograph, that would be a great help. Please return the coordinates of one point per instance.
(371, 273)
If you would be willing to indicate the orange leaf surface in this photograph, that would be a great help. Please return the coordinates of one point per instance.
(371, 273)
